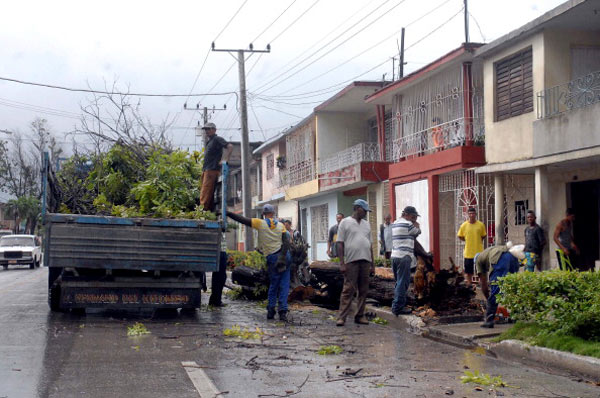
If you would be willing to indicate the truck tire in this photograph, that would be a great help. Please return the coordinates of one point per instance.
(5, 266)
(54, 298)
(32, 265)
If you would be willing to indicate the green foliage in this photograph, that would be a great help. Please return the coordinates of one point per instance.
(246, 334)
(235, 294)
(330, 350)
(334, 260)
(382, 262)
(483, 379)
(562, 302)
(123, 183)
(137, 329)
(534, 334)
(380, 321)
(251, 259)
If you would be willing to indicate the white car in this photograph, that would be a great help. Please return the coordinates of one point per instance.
(19, 250)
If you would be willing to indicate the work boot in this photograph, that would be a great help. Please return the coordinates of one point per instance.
(340, 322)
(270, 313)
(361, 320)
(283, 316)
(488, 324)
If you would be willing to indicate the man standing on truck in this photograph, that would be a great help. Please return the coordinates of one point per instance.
(213, 158)
(273, 242)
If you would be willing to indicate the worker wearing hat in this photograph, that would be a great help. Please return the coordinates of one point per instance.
(211, 169)
(273, 242)
(356, 261)
(503, 260)
(404, 234)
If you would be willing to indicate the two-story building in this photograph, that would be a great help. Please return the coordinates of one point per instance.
(542, 123)
(435, 141)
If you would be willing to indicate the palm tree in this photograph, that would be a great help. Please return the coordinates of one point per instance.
(25, 207)
(12, 211)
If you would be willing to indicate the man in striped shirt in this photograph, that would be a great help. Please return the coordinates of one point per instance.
(404, 232)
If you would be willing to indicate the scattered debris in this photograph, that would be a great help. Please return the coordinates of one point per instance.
(330, 350)
(484, 379)
(245, 333)
(137, 329)
(380, 321)
(350, 372)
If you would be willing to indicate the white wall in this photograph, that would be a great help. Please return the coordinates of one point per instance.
(320, 251)
(337, 131)
(415, 194)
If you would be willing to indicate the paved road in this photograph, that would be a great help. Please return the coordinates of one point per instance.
(44, 354)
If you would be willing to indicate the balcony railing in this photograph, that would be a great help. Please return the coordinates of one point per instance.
(577, 93)
(364, 152)
(443, 136)
(296, 174)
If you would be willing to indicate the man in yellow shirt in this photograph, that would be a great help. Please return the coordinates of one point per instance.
(472, 233)
(273, 242)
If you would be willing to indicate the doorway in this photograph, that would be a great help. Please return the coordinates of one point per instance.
(585, 200)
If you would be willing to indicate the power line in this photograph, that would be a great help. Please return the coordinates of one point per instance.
(478, 27)
(230, 19)
(367, 25)
(84, 90)
(273, 22)
(294, 21)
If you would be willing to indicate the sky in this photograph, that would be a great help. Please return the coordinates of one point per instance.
(159, 47)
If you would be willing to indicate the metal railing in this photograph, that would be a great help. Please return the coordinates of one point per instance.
(578, 93)
(443, 136)
(297, 174)
(363, 152)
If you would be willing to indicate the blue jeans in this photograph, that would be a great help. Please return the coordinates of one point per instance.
(507, 264)
(279, 282)
(401, 268)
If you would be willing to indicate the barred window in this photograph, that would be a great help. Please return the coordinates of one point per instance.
(270, 166)
(514, 85)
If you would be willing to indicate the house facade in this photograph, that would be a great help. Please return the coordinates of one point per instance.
(435, 141)
(542, 123)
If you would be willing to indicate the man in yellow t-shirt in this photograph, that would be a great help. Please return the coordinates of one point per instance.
(472, 233)
(273, 242)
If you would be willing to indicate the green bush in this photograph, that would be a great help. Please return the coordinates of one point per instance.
(251, 259)
(562, 302)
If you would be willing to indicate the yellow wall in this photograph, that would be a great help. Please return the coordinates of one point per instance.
(511, 139)
(298, 191)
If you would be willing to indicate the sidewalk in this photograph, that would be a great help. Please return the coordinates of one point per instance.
(471, 335)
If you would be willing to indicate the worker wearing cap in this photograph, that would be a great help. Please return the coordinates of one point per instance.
(273, 242)
(356, 261)
(404, 233)
(213, 158)
(503, 260)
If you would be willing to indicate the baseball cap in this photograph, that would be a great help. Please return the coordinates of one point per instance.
(362, 203)
(209, 125)
(268, 208)
(411, 210)
(518, 251)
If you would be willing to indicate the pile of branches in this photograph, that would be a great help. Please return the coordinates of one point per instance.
(131, 181)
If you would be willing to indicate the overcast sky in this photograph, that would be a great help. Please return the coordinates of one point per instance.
(159, 47)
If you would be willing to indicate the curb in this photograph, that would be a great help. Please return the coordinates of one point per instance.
(509, 350)
(531, 355)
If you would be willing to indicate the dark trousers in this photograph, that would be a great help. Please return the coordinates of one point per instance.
(506, 265)
(218, 281)
(356, 278)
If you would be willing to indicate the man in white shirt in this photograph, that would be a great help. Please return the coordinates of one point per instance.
(356, 261)
(404, 232)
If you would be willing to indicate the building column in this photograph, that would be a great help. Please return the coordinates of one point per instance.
(434, 219)
(499, 208)
(542, 210)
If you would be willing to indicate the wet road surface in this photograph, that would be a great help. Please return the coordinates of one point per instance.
(44, 354)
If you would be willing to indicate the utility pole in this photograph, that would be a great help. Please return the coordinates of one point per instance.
(401, 51)
(466, 21)
(246, 198)
(393, 68)
(204, 117)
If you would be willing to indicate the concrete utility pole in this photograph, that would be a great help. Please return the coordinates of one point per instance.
(466, 21)
(246, 198)
(401, 55)
(204, 117)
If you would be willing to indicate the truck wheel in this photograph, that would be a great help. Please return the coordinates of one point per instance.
(5, 266)
(54, 298)
(32, 265)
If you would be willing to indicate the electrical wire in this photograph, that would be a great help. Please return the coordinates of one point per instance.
(273, 22)
(478, 27)
(294, 22)
(367, 25)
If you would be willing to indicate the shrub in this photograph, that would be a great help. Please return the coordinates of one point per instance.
(251, 259)
(562, 302)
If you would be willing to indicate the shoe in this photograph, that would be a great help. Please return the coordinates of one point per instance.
(270, 313)
(361, 320)
(340, 322)
(487, 324)
(404, 311)
(283, 316)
